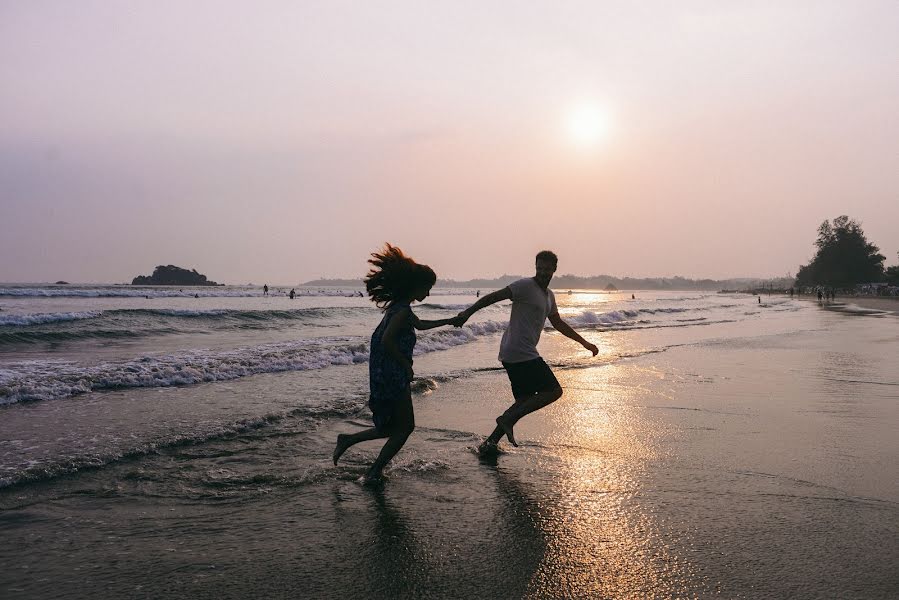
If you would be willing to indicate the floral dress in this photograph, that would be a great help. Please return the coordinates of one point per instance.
(387, 378)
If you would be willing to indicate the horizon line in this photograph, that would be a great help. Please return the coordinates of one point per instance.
(312, 282)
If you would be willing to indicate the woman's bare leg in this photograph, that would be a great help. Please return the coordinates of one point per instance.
(402, 424)
(345, 440)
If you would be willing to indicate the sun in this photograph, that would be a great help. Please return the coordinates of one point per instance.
(588, 125)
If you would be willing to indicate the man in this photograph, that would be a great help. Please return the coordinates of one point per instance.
(533, 383)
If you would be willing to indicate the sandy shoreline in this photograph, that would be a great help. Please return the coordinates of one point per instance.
(850, 304)
(884, 303)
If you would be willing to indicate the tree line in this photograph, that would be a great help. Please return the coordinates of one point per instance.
(845, 258)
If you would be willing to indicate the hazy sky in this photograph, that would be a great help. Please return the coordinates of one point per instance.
(280, 141)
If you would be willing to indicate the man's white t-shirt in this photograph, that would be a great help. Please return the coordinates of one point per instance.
(531, 304)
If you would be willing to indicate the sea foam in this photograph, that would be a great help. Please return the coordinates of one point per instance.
(51, 379)
(42, 318)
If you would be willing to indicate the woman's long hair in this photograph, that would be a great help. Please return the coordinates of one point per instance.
(394, 276)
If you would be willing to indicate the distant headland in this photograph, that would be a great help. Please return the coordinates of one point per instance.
(172, 275)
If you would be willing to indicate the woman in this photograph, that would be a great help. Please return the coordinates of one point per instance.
(394, 281)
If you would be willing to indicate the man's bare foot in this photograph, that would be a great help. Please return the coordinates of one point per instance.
(488, 448)
(507, 429)
(342, 444)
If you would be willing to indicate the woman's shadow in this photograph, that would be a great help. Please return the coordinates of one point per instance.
(491, 544)
(397, 564)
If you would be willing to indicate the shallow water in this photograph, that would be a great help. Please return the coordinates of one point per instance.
(753, 457)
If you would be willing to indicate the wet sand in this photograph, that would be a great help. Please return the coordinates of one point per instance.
(862, 305)
(884, 303)
(752, 468)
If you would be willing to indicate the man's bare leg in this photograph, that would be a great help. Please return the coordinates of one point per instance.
(506, 421)
(505, 426)
(538, 401)
(488, 446)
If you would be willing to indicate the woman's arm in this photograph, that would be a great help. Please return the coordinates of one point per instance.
(397, 322)
(423, 324)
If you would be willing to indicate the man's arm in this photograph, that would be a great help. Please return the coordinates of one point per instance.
(486, 300)
(566, 330)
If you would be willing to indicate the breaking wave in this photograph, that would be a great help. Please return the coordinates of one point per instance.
(53, 379)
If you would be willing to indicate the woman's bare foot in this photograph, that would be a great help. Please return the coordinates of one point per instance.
(342, 444)
(374, 477)
(507, 429)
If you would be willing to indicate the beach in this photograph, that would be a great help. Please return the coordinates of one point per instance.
(714, 448)
(888, 304)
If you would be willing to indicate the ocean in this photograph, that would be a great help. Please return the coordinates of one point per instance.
(175, 442)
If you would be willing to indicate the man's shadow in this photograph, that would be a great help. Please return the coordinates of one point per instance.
(518, 547)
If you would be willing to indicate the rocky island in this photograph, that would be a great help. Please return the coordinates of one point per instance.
(172, 275)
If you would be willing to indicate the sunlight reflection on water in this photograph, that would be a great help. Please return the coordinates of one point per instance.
(598, 545)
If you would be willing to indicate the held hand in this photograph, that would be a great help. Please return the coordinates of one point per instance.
(459, 320)
(592, 348)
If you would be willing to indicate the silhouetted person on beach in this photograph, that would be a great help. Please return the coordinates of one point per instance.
(533, 383)
(292, 293)
(394, 281)
(633, 297)
(265, 290)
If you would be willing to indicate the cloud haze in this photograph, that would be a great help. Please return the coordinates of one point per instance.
(283, 141)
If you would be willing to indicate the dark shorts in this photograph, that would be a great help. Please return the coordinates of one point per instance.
(530, 377)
